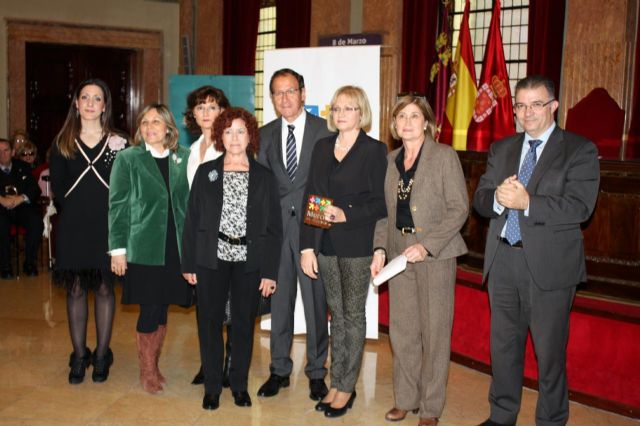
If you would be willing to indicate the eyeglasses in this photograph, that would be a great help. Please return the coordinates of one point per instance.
(348, 110)
(535, 106)
(27, 153)
(282, 93)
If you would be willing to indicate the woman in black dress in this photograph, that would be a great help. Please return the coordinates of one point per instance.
(147, 202)
(81, 159)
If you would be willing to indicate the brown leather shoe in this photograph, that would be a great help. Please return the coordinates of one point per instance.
(396, 414)
(428, 421)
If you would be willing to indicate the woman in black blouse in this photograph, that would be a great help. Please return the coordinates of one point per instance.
(349, 168)
(81, 158)
(231, 245)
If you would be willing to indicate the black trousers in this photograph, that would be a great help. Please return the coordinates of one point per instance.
(214, 285)
(30, 218)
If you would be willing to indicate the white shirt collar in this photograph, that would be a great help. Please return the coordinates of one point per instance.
(155, 153)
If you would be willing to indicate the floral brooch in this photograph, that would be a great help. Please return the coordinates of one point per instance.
(213, 175)
(177, 159)
(116, 143)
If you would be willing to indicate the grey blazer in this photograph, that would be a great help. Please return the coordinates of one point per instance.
(439, 203)
(270, 155)
(563, 191)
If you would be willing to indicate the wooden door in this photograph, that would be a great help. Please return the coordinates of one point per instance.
(53, 71)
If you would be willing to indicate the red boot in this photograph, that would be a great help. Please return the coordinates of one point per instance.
(147, 359)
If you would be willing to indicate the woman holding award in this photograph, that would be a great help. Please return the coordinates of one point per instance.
(427, 203)
(348, 169)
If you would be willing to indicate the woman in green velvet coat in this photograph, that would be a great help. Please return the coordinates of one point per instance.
(147, 202)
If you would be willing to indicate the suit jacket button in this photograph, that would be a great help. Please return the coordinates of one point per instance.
(350, 206)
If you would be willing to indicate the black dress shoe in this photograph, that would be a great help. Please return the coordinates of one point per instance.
(272, 386)
(241, 398)
(6, 274)
(337, 412)
(101, 366)
(78, 366)
(490, 422)
(199, 377)
(317, 389)
(30, 270)
(211, 401)
(322, 406)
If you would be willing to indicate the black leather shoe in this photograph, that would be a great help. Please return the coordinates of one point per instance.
(241, 399)
(78, 367)
(337, 412)
(272, 386)
(199, 377)
(30, 270)
(6, 274)
(490, 422)
(101, 366)
(211, 401)
(317, 389)
(322, 406)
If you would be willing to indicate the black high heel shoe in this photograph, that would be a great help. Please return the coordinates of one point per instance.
(338, 412)
(199, 377)
(211, 401)
(322, 406)
(78, 366)
(101, 366)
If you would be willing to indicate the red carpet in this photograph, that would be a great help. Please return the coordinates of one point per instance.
(603, 354)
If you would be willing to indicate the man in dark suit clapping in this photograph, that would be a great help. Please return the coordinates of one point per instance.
(286, 145)
(19, 195)
(538, 188)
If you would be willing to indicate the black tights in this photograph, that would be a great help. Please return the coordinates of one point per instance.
(77, 312)
(151, 316)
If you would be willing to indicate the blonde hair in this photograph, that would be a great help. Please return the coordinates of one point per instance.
(359, 97)
(171, 137)
(423, 106)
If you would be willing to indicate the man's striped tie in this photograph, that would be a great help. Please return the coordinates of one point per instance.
(292, 159)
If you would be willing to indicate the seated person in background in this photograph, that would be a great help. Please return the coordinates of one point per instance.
(19, 194)
(27, 152)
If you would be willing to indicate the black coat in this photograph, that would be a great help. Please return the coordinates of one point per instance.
(356, 185)
(202, 222)
(22, 179)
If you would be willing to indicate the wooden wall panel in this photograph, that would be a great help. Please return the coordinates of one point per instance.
(611, 236)
(328, 17)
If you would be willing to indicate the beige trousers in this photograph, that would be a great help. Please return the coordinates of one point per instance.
(420, 320)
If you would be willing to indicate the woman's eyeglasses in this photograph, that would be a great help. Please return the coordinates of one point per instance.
(27, 154)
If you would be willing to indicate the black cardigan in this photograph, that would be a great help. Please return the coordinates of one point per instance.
(356, 185)
(202, 221)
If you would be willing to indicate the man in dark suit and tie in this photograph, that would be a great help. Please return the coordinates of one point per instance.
(19, 195)
(286, 145)
(539, 187)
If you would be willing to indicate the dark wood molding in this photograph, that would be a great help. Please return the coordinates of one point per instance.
(147, 73)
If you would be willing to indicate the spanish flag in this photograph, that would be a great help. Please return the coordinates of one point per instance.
(462, 90)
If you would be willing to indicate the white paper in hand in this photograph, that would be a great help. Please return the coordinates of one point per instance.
(392, 269)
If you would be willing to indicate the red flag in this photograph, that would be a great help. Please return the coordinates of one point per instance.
(440, 68)
(462, 95)
(493, 112)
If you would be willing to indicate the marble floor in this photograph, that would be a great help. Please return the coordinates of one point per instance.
(34, 351)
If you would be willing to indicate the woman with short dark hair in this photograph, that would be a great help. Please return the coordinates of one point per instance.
(231, 245)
